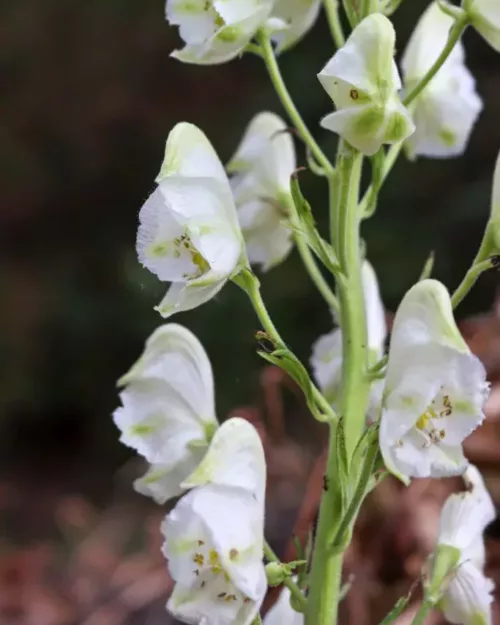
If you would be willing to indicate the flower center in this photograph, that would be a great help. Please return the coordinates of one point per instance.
(184, 244)
(428, 422)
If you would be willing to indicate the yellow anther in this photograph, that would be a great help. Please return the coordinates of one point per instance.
(213, 557)
(198, 559)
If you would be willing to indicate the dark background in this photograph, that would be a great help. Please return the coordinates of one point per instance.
(89, 94)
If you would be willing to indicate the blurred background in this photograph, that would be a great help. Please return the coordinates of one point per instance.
(89, 94)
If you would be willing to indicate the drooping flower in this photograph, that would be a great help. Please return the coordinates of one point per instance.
(466, 592)
(485, 18)
(189, 233)
(362, 79)
(282, 612)
(435, 389)
(326, 359)
(215, 31)
(168, 409)
(261, 168)
(447, 109)
(299, 16)
(214, 535)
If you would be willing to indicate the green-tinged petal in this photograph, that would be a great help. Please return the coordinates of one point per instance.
(187, 296)
(468, 596)
(235, 458)
(485, 17)
(299, 15)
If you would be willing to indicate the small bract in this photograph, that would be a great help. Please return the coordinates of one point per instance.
(435, 389)
(168, 409)
(215, 31)
(447, 109)
(261, 168)
(214, 535)
(189, 233)
(362, 79)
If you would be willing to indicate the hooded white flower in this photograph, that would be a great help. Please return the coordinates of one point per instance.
(215, 31)
(362, 79)
(214, 536)
(299, 16)
(262, 167)
(326, 360)
(282, 612)
(168, 409)
(485, 17)
(434, 391)
(447, 109)
(189, 233)
(467, 595)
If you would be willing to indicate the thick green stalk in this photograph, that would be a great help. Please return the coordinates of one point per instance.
(419, 618)
(327, 558)
(355, 382)
(455, 33)
(288, 104)
(332, 15)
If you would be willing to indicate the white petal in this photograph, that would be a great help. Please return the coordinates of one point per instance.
(227, 43)
(189, 153)
(299, 15)
(268, 239)
(485, 16)
(235, 458)
(468, 597)
(426, 315)
(163, 482)
(461, 522)
(234, 11)
(426, 44)
(326, 362)
(186, 296)
(175, 355)
(375, 313)
(267, 149)
(196, 21)
(228, 518)
(366, 57)
(282, 612)
(475, 485)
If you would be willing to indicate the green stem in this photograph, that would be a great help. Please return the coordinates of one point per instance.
(326, 572)
(454, 35)
(390, 159)
(469, 280)
(332, 15)
(295, 591)
(251, 286)
(287, 102)
(355, 383)
(425, 607)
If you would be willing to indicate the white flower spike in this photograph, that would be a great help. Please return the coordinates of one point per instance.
(485, 18)
(189, 233)
(326, 360)
(168, 409)
(214, 536)
(299, 17)
(447, 109)
(467, 592)
(261, 168)
(435, 389)
(282, 612)
(215, 31)
(362, 79)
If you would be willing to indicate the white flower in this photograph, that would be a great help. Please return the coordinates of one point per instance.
(477, 489)
(299, 16)
(447, 109)
(189, 233)
(214, 536)
(326, 360)
(282, 612)
(262, 166)
(216, 31)
(467, 595)
(168, 409)
(434, 391)
(485, 17)
(362, 79)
